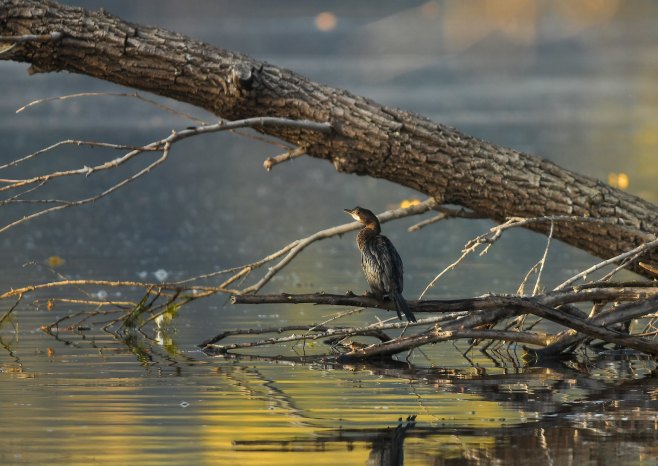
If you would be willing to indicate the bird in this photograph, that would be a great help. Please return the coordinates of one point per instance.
(380, 261)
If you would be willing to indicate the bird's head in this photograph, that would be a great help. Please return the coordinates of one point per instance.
(364, 216)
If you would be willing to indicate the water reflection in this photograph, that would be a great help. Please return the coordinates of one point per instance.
(288, 409)
(545, 429)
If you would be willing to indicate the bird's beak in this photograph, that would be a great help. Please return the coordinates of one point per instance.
(351, 213)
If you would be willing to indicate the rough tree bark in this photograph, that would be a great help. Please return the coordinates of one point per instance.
(367, 138)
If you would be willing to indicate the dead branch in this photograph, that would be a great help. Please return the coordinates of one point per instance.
(484, 241)
(133, 95)
(387, 349)
(291, 154)
(196, 290)
(444, 213)
(291, 250)
(601, 293)
(163, 145)
(6, 315)
(315, 332)
(326, 330)
(294, 248)
(491, 309)
(627, 256)
(620, 313)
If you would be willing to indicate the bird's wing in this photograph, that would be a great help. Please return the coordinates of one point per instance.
(385, 271)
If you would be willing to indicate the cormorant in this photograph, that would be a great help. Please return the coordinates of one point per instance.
(381, 263)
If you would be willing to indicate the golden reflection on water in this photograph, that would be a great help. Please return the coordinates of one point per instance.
(82, 407)
(222, 413)
(303, 402)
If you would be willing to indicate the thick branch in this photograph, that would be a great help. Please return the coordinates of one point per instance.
(554, 298)
(398, 345)
(369, 139)
(491, 309)
(632, 310)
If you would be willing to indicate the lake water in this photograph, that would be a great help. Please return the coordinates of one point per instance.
(574, 82)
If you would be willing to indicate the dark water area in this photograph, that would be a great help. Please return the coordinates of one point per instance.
(574, 82)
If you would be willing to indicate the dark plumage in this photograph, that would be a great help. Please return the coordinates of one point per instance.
(381, 263)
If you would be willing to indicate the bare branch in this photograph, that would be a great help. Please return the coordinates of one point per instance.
(415, 341)
(490, 237)
(104, 145)
(601, 293)
(580, 325)
(633, 253)
(89, 200)
(445, 213)
(134, 95)
(314, 332)
(299, 245)
(623, 313)
(291, 154)
(84, 302)
(492, 309)
(11, 309)
(199, 290)
(542, 261)
(163, 145)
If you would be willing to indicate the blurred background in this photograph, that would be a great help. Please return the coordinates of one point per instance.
(570, 81)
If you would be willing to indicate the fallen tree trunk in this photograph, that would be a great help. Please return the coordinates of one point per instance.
(366, 138)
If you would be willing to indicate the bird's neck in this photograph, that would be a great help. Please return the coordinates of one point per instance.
(372, 227)
(365, 235)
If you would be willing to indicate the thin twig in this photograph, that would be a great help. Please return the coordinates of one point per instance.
(104, 145)
(134, 95)
(164, 145)
(109, 283)
(568, 339)
(89, 200)
(539, 268)
(542, 261)
(9, 312)
(85, 302)
(490, 237)
(639, 250)
(322, 332)
(444, 213)
(291, 154)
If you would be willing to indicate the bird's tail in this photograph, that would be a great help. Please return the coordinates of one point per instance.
(402, 307)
